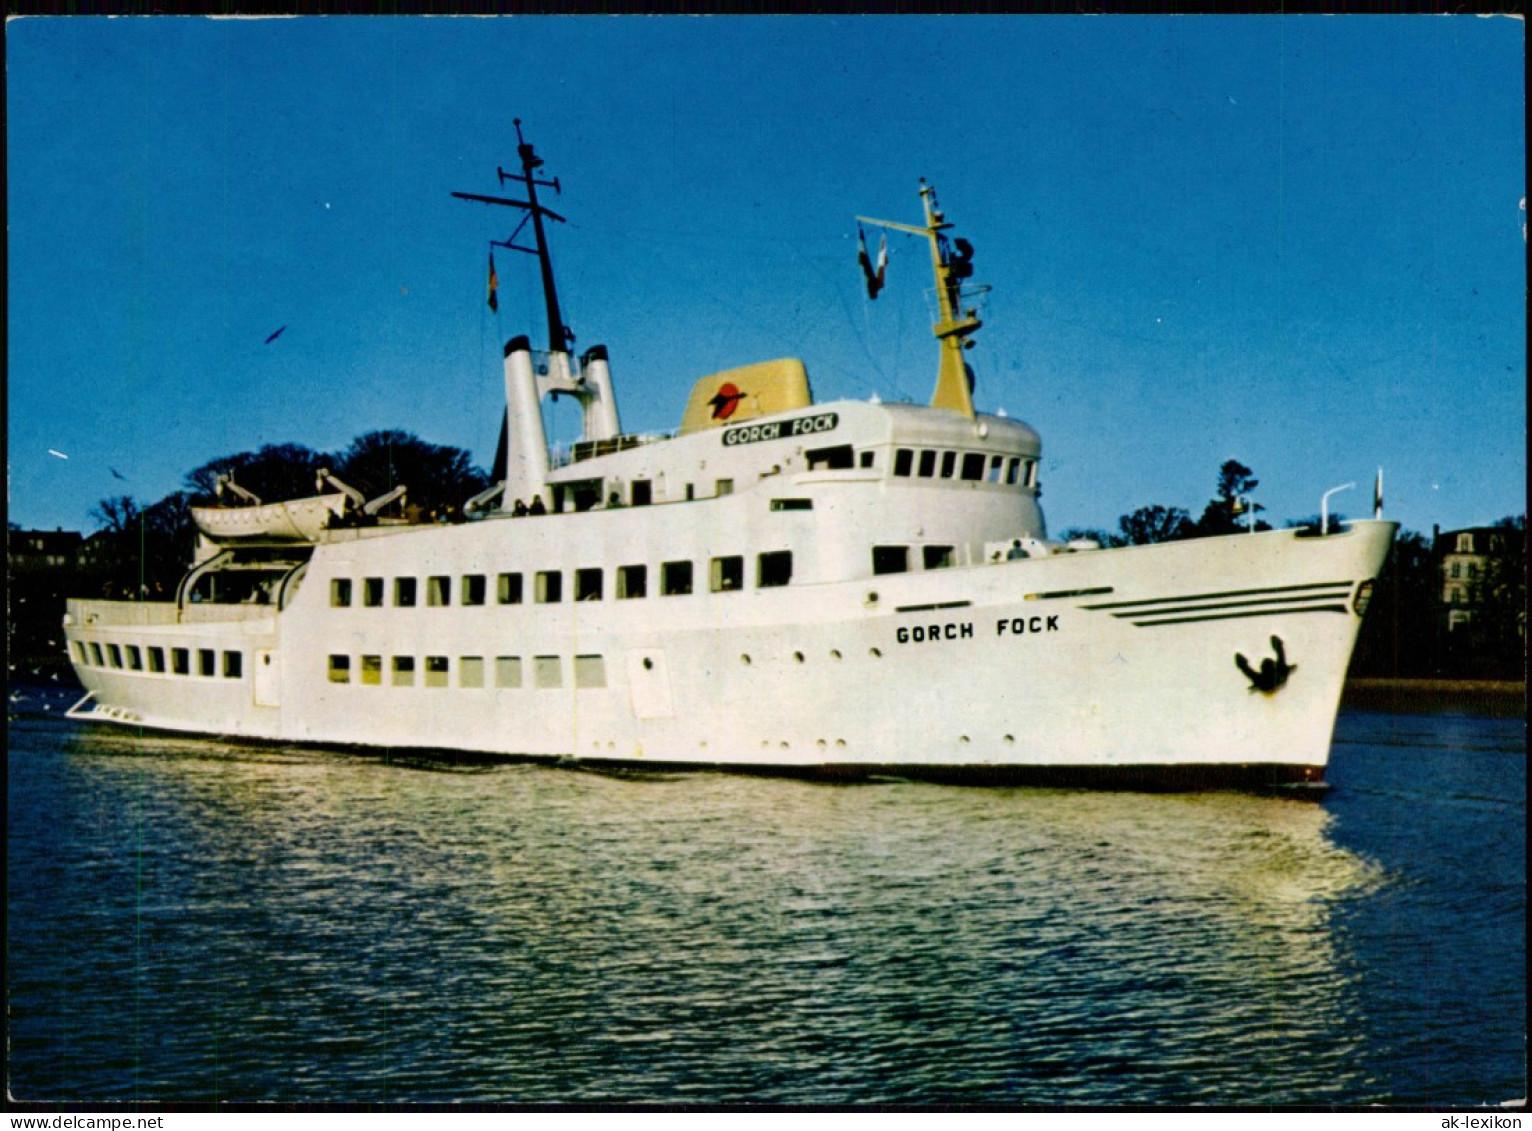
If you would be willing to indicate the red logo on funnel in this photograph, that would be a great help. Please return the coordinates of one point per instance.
(725, 401)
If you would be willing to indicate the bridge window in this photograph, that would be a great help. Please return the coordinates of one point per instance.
(135, 658)
(774, 569)
(949, 464)
(937, 557)
(587, 585)
(404, 671)
(973, 466)
(436, 671)
(927, 463)
(1013, 471)
(438, 590)
(180, 661)
(473, 589)
(207, 662)
(725, 487)
(1031, 473)
(470, 671)
(233, 665)
(95, 651)
(550, 587)
(372, 670)
(340, 592)
(995, 464)
(116, 654)
(839, 458)
(340, 668)
(508, 589)
(728, 573)
(404, 591)
(80, 655)
(904, 460)
(866, 458)
(156, 658)
(632, 581)
(642, 492)
(372, 592)
(676, 579)
(890, 559)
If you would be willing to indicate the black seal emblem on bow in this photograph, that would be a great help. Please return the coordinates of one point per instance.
(1273, 671)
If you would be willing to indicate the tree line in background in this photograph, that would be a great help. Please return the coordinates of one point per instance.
(143, 550)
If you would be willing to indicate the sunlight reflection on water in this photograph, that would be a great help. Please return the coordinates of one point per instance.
(262, 923)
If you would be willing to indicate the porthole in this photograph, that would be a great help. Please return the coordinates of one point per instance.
(874, 653)
(744, 658)
(834, 653)
(798, 657)
(1010, 740)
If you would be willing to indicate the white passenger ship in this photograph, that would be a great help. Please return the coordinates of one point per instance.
(783, 586)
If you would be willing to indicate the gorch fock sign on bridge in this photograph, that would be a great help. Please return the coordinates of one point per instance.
(780, 429)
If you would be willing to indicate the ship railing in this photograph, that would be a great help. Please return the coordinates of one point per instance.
(970, 296)
(101, 613)
(590, 449)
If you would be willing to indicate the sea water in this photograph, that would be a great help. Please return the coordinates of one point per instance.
(201, 922)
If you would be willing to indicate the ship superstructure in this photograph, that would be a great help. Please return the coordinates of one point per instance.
(781, 585)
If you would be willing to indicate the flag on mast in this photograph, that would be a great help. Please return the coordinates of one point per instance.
(494, 285)
(874, 276)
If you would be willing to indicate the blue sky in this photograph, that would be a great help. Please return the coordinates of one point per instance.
(1295, 241)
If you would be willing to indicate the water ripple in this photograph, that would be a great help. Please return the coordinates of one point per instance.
(266, 924)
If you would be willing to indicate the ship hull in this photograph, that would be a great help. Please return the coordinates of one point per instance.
(1139, 667)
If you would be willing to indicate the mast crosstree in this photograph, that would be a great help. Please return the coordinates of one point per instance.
(560, 337)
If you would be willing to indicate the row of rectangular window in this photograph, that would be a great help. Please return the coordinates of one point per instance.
(726, 574)
(472, 671)
(896, 559)
(130, 657)
(973, 466)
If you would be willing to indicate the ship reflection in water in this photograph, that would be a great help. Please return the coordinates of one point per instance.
(196, 920)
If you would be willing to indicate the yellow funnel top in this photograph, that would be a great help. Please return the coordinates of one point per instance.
(762, 389)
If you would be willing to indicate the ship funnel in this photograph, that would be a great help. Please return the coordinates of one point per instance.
(600, 405)
(526, 455)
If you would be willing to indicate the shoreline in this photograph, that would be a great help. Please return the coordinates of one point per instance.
(1499, 698)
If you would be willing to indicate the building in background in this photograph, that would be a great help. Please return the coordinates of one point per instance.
(31, 552)
(1481, 597)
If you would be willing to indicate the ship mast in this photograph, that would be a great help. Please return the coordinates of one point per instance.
(522, 458)
(951, 264)
(559, 335)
